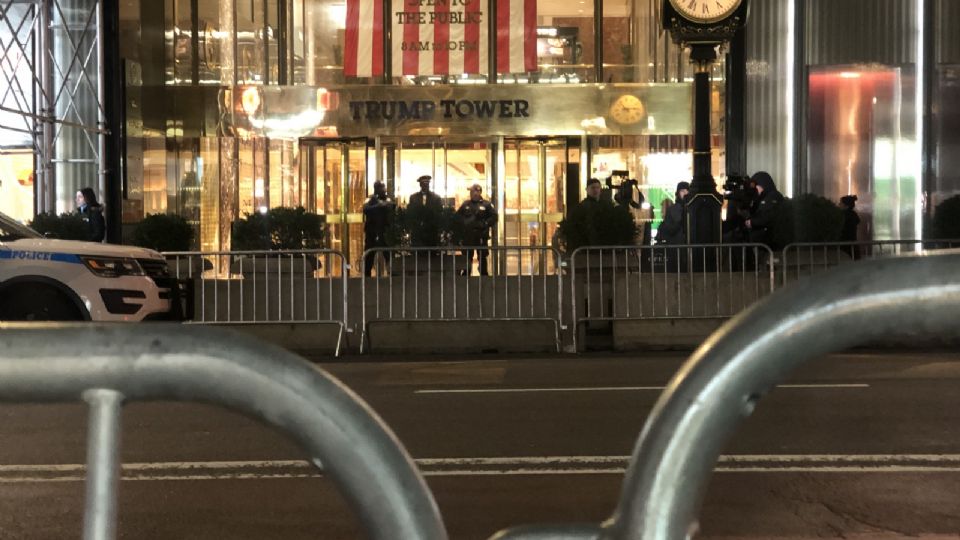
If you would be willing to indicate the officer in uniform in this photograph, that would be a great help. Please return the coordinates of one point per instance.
(376, 218)
(478, 216)
(425, 198)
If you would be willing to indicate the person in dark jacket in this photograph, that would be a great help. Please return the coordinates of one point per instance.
(763, 213)
(91, 212)
(479, 216)
(851, 221)
(376, 218)
(594, 187)
(672, 230)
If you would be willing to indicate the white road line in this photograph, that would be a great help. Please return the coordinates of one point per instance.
(604, 389)
(486, 466)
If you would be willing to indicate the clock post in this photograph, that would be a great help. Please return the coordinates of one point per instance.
(704, 223)
(703, 25)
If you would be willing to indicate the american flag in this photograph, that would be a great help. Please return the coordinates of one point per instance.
(449, 37)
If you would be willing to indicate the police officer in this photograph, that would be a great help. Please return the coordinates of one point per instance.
(478, 216)
(92, 213)
(376, 218)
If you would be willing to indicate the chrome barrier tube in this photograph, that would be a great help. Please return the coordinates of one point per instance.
(805, 258)
(103, 464)
(302, 288)
(670, 282)
(442, 289)
(39, 363)
(719, 386)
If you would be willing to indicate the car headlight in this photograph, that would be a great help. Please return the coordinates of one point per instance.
(113, 267)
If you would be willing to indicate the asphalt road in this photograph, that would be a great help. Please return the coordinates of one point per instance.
(858, 446)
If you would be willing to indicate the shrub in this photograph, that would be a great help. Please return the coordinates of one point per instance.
(807, 218)
(65, 226)
(946, 219)
(163, 232)
(600, 224)
(279, 228)
(424, 226)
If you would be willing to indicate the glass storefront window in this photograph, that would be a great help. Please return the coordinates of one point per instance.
(565, 44)
(619, 41)
(946, 136)
(154, 175)
(251, 55)
(16, 187)
(318, 42)
(658, 163)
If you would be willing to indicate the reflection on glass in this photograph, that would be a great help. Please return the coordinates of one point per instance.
(209, 239)
(356, 195)
(860, 141)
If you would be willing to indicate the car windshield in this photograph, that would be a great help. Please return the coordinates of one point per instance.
(11, 229)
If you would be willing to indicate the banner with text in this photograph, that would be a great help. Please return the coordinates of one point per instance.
(440, 37)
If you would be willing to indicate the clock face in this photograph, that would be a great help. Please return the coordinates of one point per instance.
(705, 11)
(627, 109)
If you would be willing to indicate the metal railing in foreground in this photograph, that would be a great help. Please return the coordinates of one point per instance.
(246, 287)
(123, 363)
(671, 281)
(440, 284)
(720, 385)
(802, 259)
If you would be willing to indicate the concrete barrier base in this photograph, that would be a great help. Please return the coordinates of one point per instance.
(663, 334)
(455, 336)
(306, 339)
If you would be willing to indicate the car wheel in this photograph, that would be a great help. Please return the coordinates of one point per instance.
(37, 303)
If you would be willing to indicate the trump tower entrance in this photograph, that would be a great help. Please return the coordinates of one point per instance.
(526, 179)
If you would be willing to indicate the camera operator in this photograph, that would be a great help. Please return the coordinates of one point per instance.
(764, 211)
(740, 193)
(623, 196)
(672, 230)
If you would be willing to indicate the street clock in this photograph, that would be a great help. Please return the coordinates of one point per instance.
(703, 21)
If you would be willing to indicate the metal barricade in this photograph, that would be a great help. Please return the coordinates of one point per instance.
(720, 385)
(262, 287)
(124, 363)
(802, 259)
(612, 283)
(437, 284)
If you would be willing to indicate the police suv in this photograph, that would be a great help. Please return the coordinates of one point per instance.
(44, 279)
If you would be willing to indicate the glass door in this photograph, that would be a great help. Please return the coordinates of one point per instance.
(336, 179)
(533, 199)
(454, 166)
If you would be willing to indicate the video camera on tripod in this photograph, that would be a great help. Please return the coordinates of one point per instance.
(623, 192)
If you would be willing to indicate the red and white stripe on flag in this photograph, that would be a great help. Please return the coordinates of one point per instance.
(363, 39)
(516, 36)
